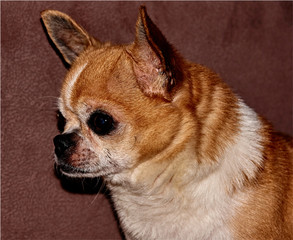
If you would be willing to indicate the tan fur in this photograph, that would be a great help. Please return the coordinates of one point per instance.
(188, 159)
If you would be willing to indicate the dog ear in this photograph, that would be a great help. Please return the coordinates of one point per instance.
(70, 38)
(156, 63)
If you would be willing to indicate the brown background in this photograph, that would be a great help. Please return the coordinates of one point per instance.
(249, 44)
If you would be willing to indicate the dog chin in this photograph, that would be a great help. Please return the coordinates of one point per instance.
(64, 170)
(72, 172)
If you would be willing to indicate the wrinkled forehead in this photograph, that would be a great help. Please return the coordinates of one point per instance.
(99, 77)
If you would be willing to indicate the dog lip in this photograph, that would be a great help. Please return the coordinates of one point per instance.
(69, 171)
(66, 169)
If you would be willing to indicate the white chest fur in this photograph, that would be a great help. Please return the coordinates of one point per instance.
(175, 218)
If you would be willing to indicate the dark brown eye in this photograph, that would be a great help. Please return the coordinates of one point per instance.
(101, 123)
(61, 121)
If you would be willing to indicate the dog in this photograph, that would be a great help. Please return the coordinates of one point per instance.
(182, 155)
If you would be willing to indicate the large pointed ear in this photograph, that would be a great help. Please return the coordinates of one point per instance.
(70, 38)
(157, 65)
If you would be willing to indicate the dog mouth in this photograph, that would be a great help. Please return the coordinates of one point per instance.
(73, 172)
(63, 169)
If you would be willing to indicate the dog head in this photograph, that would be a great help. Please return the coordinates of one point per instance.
(121, 104)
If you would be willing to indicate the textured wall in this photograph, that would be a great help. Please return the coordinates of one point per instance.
(249, 44)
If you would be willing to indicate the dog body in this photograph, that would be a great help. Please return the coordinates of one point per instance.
(183, 156)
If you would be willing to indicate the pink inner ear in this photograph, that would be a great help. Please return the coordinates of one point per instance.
(150, 81)
(156, 63)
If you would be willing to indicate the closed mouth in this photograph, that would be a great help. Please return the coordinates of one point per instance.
(63, 169)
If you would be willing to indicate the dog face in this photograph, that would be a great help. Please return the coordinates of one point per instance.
(118, 102)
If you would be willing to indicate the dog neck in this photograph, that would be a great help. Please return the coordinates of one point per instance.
(215, 127)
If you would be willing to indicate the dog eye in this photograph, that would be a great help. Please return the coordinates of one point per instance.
(101, 123)
(61, 121)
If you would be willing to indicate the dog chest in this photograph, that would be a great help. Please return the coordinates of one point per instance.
(172, 217)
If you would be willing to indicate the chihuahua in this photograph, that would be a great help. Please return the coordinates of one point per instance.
(182, 155)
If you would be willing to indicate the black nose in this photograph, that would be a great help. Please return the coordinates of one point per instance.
(62, 143)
